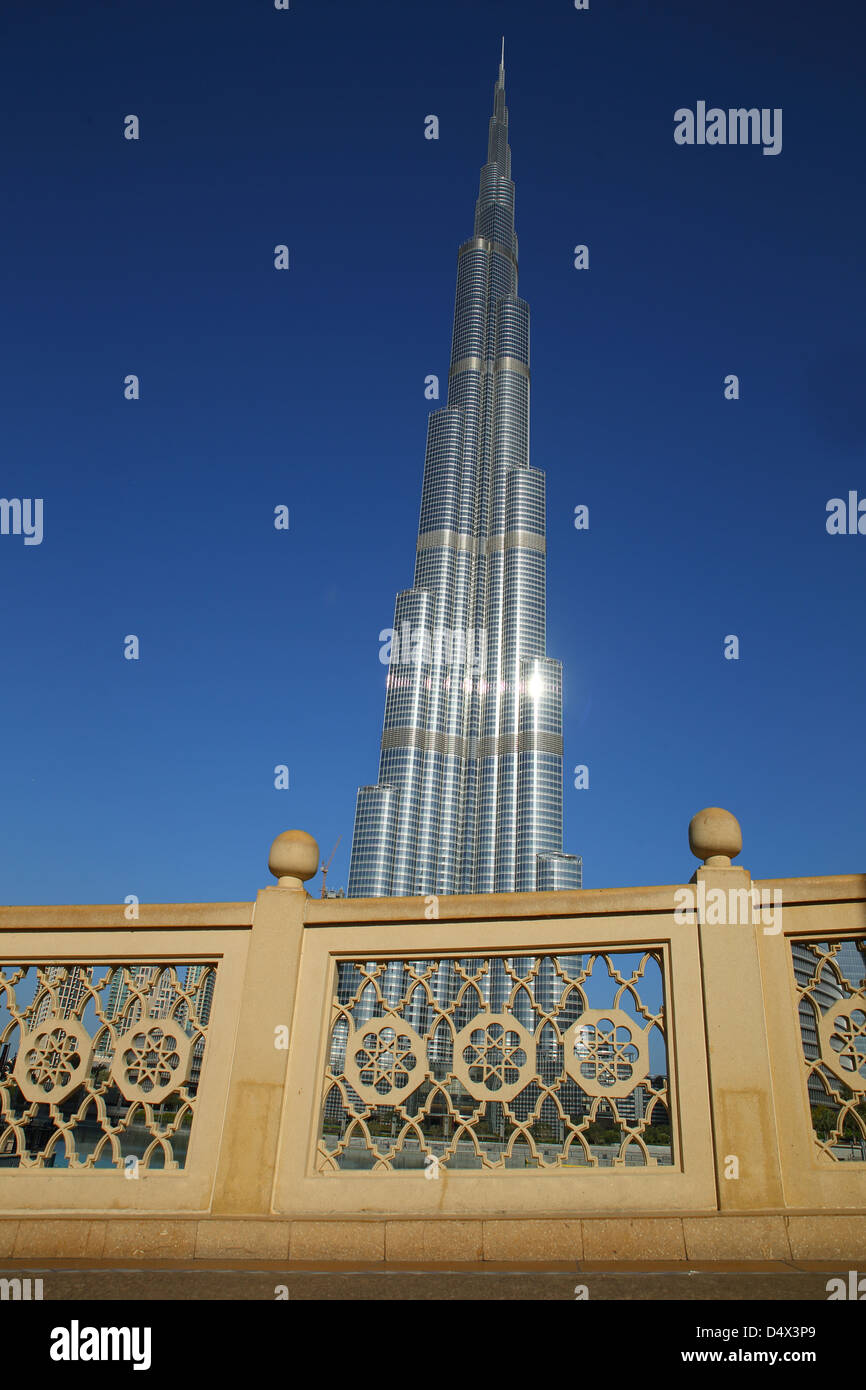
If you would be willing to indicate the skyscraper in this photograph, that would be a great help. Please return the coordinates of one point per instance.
(69, 983)
(469, 797)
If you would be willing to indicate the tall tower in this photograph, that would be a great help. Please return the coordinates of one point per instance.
(469, 797)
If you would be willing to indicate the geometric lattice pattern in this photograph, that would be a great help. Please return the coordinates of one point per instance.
(606, 1052)
(843, 1041)
(831, 989)
(384, 1060)
(53, 1059)
(100, 1063)
(494, 1057)
(544, 1062)
(151, 1061)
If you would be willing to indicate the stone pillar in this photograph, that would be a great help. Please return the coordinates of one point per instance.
(743, 1115)
(248, 1154)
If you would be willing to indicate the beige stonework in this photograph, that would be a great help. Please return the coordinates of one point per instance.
(337, 1240)
(822, 1237)
(641, 1239)
(728, 1237)
(242, 1240)
(169, 1240)
(252, 1186)
(533, 1240)
(723, 1238)
(8, 1237)
(257, 1090)
(433, 1241)
(51, 1237)
(743, 1111)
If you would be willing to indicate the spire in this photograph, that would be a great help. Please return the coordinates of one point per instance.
(497, 143)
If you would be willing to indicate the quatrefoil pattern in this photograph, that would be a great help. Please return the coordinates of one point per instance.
(842, 1036)
(54, 1058)
(494, 1057)
(151, 1060)
(606, 1052)
(385, 1061)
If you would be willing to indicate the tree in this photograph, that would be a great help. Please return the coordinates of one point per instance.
(823, 1120)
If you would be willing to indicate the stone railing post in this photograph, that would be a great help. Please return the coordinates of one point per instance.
(248, 1152)
(744, 1129)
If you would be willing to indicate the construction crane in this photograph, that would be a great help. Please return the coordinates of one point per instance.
(326, 867)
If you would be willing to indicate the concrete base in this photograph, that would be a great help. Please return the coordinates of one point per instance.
(709, 1239)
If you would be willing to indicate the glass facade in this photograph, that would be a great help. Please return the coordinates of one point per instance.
(469, 797)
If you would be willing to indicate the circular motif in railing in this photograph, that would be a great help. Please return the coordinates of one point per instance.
(151, 1059)
(842, 1037)
(494, 1057)
(605, 1051)
(385, 1060)
(53, 1058)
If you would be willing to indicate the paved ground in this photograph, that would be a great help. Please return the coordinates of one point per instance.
(73, 1280)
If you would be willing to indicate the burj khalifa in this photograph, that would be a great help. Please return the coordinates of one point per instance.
(469, 796)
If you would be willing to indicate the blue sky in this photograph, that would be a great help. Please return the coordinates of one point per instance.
(305, 388)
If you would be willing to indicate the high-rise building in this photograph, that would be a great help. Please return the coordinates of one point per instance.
(469, 796)
(69, 984)
(123, 1006)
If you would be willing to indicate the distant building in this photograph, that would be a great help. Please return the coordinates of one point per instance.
(69, 984)
(469, 794)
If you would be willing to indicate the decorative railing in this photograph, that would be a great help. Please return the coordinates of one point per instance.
(595, 1052)
(102, 1063)
(831, 1004)
(497, 1062)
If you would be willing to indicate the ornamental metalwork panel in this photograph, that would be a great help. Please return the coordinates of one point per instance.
(100, 1065)
(831, 1003)
(497, 1062)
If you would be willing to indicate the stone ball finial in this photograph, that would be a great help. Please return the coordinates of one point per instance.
(715, 836)
(294, 858)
